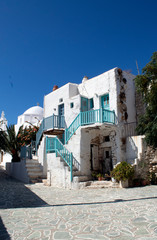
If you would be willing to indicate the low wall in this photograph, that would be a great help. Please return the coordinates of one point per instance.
(18, 170)
(58, 174)
(134, 148)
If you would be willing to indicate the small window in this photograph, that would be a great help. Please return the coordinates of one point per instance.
(61, 100)
(71, 105)
(106, 139)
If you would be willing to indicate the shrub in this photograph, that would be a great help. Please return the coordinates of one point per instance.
(123, 171)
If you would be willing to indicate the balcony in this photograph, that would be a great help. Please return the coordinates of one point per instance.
(49, 125)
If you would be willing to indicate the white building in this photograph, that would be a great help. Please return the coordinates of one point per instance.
(4, 157)
(100, 118)
(32, 116)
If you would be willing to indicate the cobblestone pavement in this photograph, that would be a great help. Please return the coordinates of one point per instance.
(40, 212)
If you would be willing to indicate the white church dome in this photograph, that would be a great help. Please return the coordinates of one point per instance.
(37, 110)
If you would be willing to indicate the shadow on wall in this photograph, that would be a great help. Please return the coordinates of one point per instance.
(14, 194)
(3, 231)
(132, 150)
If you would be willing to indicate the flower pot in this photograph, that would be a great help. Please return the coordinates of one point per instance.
(124, 184)
(100, 178)
(113, 180)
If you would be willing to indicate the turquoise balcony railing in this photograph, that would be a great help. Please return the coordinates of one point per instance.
(89, 117)
(51, 122)
(56, 146)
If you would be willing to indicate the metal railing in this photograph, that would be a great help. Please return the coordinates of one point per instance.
(51, 122)
(89, 117)
(53, 144)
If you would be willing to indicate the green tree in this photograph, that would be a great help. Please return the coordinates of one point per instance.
(12, 143)
(146, 84)
(9, 142)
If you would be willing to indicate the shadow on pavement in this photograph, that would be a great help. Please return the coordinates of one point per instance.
(3, 231)
(99, 203)
(14, 194)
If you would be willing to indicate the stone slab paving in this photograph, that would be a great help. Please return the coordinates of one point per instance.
(41, 212)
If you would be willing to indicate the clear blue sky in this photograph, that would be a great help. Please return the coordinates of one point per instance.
(48, 42)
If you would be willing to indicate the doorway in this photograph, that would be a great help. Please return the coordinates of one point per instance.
(107, 161)
(94, 157)
(61, 114)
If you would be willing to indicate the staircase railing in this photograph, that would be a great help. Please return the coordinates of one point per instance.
(89, 117)
(51, 122)
(53, 144)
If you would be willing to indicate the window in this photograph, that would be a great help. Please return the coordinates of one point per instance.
(106, 139)
(71, 105)
(91, 103)
(107, 154)
(61, 100)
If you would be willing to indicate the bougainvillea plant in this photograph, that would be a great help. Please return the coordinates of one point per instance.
(27, 134)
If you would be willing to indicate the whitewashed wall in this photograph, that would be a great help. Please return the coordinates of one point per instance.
(58, 174)
(134, 148)
(99, 86)
(42, 155)
(68, 93)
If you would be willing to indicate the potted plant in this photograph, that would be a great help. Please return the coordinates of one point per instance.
(122, 173)
(100, 177)
(94, 176)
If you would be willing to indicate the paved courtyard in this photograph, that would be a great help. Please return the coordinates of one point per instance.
(40, 212)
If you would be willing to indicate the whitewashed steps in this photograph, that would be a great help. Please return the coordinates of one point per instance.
(102, 184)
(34, 170)
(96, 184)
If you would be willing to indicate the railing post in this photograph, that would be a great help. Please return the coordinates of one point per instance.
(55, 141)
(101, 115)
(65, 136)
(114, 116)
(46, 144)
(71, 167)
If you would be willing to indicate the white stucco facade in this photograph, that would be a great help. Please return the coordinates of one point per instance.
(99, 146)
(32, 116)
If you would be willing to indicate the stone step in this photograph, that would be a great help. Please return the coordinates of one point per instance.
(76, 173)
(36, 170)
(102, 184)
(33, 166)
(31, 161)
(81, 178)
(35, 174)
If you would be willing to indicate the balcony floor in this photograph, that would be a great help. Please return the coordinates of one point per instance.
(54, 131)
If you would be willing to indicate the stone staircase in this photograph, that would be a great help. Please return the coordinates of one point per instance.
(34, 170)
(95, 184)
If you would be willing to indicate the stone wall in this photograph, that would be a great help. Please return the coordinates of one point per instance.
(147, 165)
(140, 108)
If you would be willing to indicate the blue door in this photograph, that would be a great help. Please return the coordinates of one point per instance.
(84, 104)
(105, 101)
(105, 106)
(61, 115)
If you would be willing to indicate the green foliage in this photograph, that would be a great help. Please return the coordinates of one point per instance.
(146, 84)
(99, 175)
(123, 171)
(10, 143)
(26, 135)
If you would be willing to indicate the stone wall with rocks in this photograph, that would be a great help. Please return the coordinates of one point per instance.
(140, 107)
(147, 165)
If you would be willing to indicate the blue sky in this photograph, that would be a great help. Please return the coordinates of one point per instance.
(48, 42)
